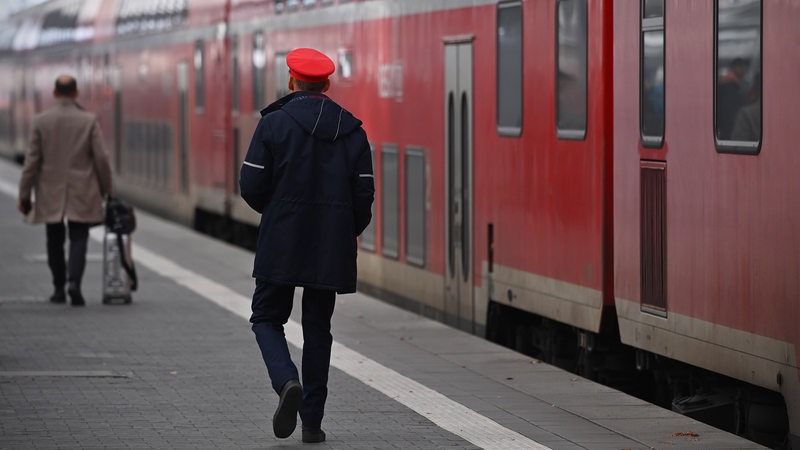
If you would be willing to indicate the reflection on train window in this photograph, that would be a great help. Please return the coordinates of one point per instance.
(509, 69)
(653, 9)
(651, 77)
(199, 78)
(281, 76)
(737, 94)
(345, 69)
(415, 206)
(390, 201)
(259, 61)
(571, 61)
(367, 238)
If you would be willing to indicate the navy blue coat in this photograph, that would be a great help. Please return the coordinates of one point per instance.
(308, 171)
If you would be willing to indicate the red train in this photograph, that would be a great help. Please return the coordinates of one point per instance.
(595, 183)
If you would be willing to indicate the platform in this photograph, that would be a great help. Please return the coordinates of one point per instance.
(180, 368)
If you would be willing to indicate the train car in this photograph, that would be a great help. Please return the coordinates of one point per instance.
(706, 250)
(520, 149)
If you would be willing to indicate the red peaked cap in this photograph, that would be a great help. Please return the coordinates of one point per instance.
(309, 65)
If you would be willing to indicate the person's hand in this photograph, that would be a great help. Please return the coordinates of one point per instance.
(24, 206)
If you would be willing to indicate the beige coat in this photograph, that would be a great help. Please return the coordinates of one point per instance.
(66, 166)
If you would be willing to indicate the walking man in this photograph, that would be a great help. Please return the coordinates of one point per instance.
(67, 167)
(308, 171)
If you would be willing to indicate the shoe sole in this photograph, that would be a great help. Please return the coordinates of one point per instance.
(285, 420)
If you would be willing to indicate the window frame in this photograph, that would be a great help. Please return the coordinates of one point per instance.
(394, 250)
(411, 257)
(728, 145)
(574, 134)
(199, 76)
(258, 74)
(236, 74)
(646, 25)
(503, 129)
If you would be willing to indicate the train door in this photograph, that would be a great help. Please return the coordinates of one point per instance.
(459, 304)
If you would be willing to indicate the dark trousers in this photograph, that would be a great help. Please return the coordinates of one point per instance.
(78, 240)
(272, 306)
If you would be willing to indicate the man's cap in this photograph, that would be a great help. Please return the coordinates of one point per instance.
(309, 65)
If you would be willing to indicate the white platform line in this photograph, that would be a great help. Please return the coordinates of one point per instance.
(439, 409)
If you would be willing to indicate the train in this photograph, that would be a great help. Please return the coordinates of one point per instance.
(595, 183)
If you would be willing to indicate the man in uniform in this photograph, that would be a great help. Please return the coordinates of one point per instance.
(67, 166)
(308, 171)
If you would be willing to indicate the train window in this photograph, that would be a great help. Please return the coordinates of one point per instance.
(86, 78)
(235, 74)
(652, 9)
(199, 78)
(259, 62)
(367, 238)
(309, 3)
(571, 56)
(280, 6)
(415, 206)
(509, 68)
(281, 76)
(142, 16)
(345, 59)
(651, 75)
(390, 201)
(737, 75)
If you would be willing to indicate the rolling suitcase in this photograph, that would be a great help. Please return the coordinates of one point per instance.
(117, 283)
(119, 273)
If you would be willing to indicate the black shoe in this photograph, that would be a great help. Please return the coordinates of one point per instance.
(58, 297)
(76, 297)
(285, 419)
(313, 435)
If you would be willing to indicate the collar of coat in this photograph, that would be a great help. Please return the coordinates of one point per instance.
(299, 95)
(67, 101)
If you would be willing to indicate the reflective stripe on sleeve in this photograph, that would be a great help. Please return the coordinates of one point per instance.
(366, 175)
(253, 165)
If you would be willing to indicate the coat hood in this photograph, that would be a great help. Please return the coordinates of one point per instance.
(317, 114)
